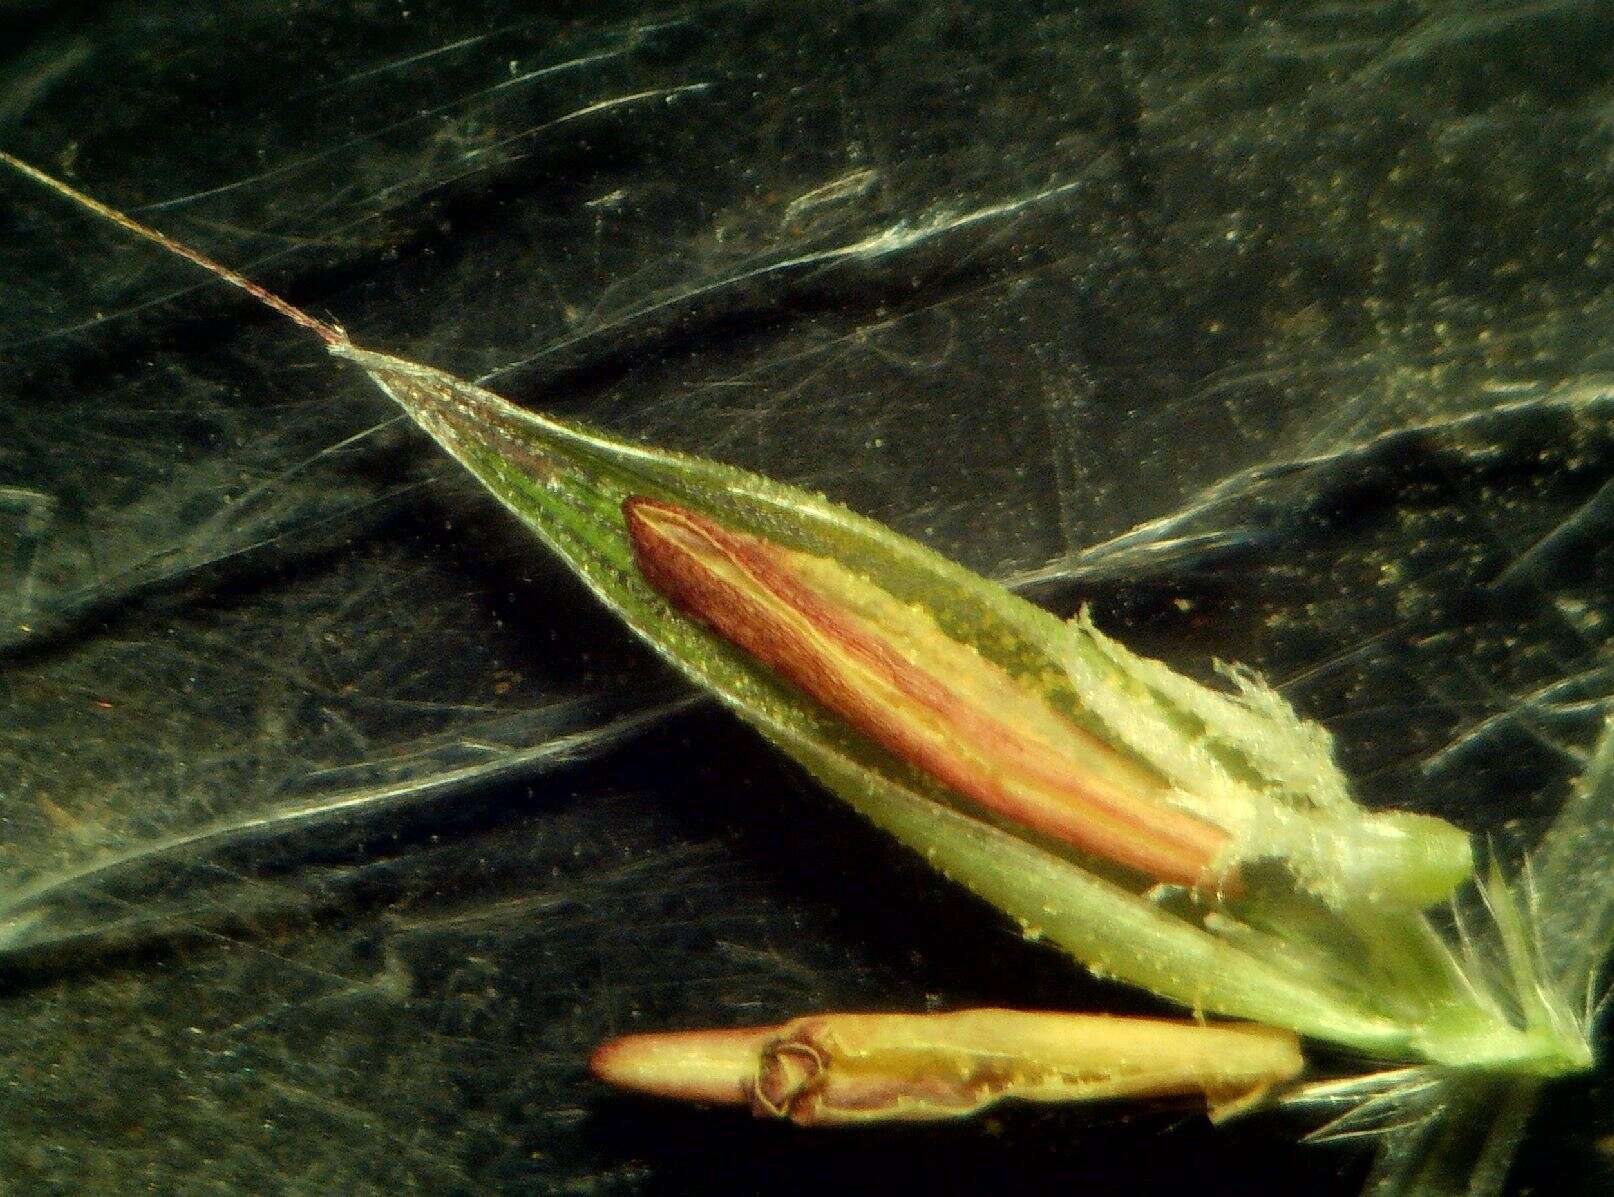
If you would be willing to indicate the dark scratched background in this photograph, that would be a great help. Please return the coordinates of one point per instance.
(337, 824)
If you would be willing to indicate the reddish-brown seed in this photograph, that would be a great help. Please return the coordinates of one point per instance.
(889, 671)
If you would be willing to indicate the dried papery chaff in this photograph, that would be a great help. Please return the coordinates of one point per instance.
(1200, 843)
(849, 1069)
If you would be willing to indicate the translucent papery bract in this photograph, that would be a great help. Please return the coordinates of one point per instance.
(1247, 762)
(570, 485)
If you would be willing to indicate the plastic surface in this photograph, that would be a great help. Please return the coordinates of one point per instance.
(340, 824)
